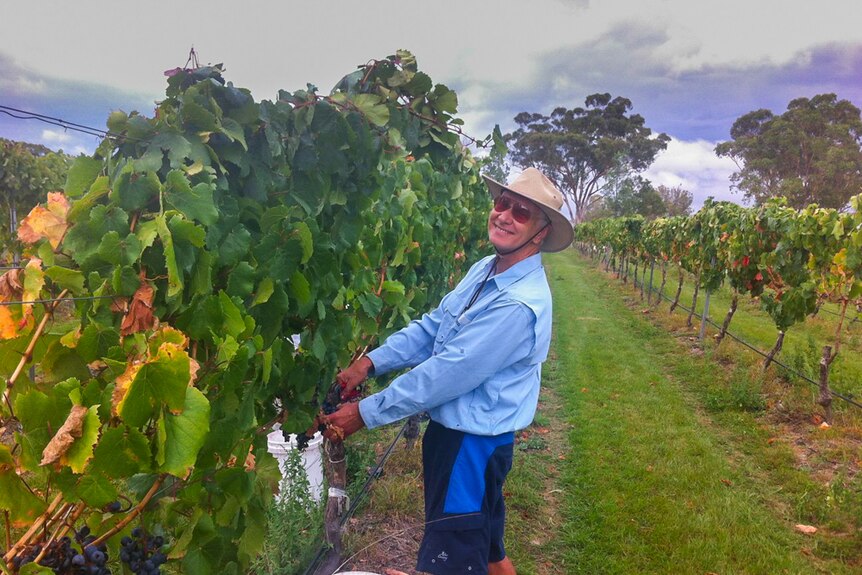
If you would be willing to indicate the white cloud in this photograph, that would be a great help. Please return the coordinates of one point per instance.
(54, 137)
(694, 166)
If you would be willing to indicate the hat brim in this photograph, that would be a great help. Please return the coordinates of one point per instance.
(561, 235)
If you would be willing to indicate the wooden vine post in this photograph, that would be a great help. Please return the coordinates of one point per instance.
(335, 470)
(825, 398)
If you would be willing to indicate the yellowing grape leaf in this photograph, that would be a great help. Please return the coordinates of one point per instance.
(121, 386)
(46, 222)
(8, 325)
(65, 436)
(34, 281)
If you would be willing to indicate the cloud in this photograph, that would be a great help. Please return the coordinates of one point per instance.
(55, 137)
(18, 81)
(694, 166)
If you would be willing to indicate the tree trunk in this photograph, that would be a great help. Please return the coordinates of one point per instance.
(660, 294)
(727, 318)
(678, 292)
(825, 398)
(637, 265)
(625, 270)
(649, 291)
(688, 321)
(769, 358)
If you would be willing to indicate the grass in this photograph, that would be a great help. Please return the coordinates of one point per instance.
(672, 467)
(652, 453)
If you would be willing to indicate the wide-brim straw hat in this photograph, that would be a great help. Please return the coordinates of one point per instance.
(536, 187)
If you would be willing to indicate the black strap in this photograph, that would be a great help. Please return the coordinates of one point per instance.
(481, 286)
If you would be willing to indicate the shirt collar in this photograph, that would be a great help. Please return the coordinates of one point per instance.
(517, 271)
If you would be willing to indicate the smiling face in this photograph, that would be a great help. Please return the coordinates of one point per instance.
(514, 220)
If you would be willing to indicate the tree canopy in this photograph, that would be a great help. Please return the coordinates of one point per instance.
(809, 154)
(677, 200)
(583, 149)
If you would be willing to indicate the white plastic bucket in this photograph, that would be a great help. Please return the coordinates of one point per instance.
(312, 459)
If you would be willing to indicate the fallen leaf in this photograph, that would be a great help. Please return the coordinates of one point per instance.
(584, 390)
(771, 440)
(71, 429)
(806, 529)
(825, 425)
(727, 481)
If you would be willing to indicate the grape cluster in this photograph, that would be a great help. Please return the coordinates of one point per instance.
(63, 558)
(142, 552)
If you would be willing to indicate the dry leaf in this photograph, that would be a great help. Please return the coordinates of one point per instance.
(65, 436)
(806, 529)
(120, 305)
(825, 425)
(11, 285)
(46, 222)
(250, 461)
(727, 482)
(140, 316)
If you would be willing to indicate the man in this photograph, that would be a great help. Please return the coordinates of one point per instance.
(476, 367)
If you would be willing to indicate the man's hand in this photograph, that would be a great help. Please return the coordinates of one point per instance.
(343, 423)
(354, 374)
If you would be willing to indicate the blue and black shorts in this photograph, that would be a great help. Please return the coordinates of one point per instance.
(464, 509)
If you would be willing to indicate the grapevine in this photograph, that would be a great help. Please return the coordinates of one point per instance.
(191, 251)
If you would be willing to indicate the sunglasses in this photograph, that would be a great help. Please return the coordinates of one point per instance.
(520, 212)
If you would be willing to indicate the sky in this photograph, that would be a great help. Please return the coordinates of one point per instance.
(689, 67)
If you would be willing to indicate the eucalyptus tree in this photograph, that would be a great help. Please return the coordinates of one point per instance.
(812, 153)
(584, 149)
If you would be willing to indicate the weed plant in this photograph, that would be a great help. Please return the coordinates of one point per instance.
(294, 524)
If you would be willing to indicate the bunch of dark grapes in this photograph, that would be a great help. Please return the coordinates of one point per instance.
(65, 559)
(142, 552)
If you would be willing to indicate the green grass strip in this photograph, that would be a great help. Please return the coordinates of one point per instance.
(650, 485)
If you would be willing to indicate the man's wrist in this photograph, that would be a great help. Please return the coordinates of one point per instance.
(367, 365)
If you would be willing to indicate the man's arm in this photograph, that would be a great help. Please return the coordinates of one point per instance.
(497, 338)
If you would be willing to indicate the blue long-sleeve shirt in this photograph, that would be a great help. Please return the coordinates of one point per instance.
(477, 370)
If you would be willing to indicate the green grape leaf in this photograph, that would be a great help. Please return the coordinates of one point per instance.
(82, 174)
(181, 435)
(240, 283)
(265, 289)
(81, 450)
(65, 278)
(159, 382)
(122, 452)
(96, 490)
(371, 108)
(175, 280)
(196, 203)
(15, 497)
(135, 190)
(82, 206)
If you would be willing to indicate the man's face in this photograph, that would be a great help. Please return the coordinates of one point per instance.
(513, 220)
